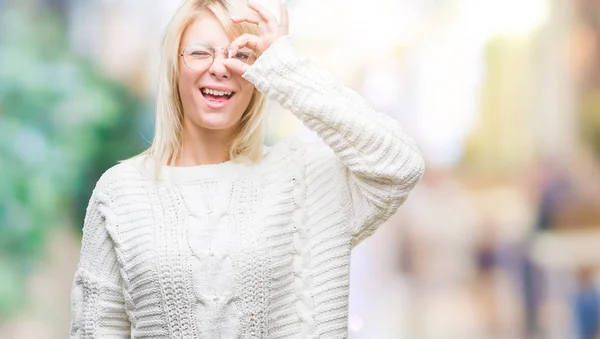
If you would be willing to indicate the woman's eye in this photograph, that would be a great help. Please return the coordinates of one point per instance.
(242, 56)
(200, 53)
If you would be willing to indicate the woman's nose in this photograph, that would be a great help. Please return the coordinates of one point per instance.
(218, 68)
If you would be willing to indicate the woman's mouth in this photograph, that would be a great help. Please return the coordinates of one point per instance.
(215, 99)
(216, 96)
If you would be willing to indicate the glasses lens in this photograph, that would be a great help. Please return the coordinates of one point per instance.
(198, 56)
(245, 55)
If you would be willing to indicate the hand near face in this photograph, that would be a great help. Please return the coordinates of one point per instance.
(270, 30)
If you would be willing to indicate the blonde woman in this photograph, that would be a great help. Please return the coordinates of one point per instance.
(209, 234)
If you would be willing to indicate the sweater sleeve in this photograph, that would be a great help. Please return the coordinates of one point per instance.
(380, 164)
(97, 298)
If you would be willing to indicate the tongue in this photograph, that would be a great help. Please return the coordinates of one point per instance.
(218, 98)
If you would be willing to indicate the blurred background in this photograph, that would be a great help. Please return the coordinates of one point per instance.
(501, 239)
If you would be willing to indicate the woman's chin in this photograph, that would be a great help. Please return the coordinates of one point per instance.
(217, 121)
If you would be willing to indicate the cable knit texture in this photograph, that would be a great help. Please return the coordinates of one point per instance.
(245, 251)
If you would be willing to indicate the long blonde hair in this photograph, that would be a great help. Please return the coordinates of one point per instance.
(246, 146)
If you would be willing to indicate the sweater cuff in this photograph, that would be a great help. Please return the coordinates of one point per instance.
(280, 58)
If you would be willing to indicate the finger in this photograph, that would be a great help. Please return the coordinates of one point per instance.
(263, 27)
(236, 66)
(246, 18)
(263, 13)
(245, 40)
(284, 20)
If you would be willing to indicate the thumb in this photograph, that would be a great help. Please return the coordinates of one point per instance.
(236, 66)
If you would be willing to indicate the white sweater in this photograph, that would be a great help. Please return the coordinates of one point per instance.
(239, 251)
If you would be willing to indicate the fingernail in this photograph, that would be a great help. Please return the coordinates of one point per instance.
(234, 18)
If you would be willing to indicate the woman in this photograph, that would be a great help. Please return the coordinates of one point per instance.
(208, 234)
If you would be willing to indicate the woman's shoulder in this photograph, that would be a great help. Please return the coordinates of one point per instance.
(121, 174)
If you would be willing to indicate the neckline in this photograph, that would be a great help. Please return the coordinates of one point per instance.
(189, 174)
(200, 173)
(182, 174)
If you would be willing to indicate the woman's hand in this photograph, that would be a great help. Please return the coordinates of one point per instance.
(269, 31)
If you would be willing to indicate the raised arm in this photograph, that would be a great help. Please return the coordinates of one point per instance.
(380, 164)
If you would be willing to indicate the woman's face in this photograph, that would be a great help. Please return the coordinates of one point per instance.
(202, 107)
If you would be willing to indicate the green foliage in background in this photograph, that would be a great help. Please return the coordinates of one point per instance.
(62, 123)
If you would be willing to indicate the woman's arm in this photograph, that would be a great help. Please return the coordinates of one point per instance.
(381, 163)
(97, 302)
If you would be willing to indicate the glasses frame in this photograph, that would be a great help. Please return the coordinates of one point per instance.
(214, 50)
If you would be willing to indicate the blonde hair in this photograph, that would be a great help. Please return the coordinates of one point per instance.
(246, 146)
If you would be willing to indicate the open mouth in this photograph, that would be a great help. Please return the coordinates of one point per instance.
(216, 96)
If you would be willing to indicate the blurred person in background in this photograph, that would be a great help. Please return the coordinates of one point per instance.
(586, 305)
(209, 233)
(551, 189)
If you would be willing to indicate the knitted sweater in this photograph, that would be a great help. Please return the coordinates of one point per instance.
(245, 251)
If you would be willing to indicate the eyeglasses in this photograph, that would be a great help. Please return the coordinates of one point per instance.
(201, 55)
